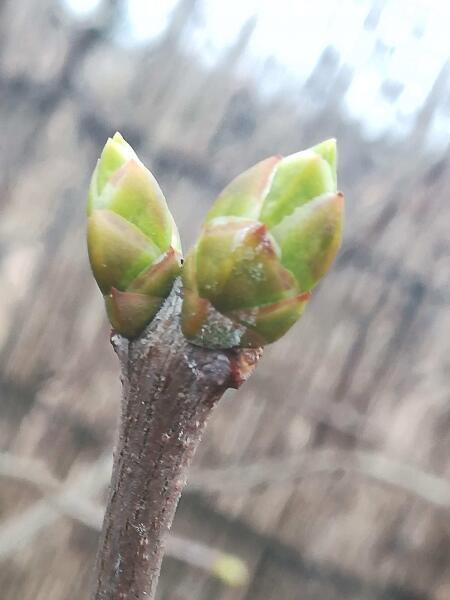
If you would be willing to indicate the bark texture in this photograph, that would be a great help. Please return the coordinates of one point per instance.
(169, 390)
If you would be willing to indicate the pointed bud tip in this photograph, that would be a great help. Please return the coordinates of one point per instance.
(120, 145)
(328, 151)
(329, 144)
(330, 202)
(335, 199)
(118, 137)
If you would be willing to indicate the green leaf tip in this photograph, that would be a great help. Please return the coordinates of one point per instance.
(271, 235)
(133, 243)
(328, 151)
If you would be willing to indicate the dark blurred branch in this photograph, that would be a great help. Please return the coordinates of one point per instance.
(169, 390)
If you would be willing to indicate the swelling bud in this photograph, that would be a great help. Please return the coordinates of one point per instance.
(133, 243)
(271, 235)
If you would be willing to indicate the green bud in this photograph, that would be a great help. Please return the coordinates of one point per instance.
(272, 233)
(133, 243)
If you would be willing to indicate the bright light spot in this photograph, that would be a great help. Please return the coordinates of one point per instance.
(407, 48)
(146, 20)
(219, 26)
(393, 62)
(438, 134)
(82, 8)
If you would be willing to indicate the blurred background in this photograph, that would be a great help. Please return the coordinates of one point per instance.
(328, 474)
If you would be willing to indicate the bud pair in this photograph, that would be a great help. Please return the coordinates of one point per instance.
(270, 236)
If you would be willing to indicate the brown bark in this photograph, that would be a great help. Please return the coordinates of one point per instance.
(169, 390)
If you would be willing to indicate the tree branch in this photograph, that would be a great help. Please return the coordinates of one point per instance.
(169, 390)
(64, 499)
